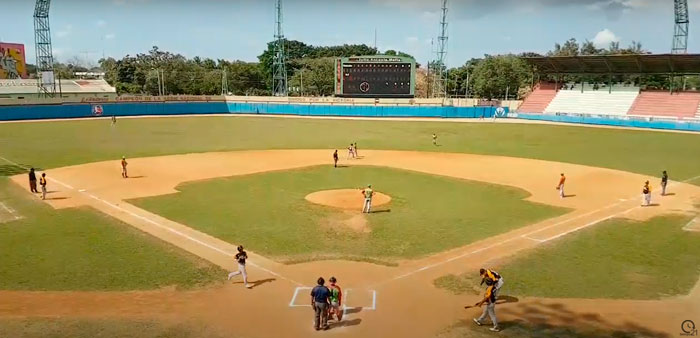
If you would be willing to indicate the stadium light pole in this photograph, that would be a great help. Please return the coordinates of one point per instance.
(279, 72)
(44, 54)
(680, 31)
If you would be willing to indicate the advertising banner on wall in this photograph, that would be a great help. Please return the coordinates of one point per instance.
(13, 64)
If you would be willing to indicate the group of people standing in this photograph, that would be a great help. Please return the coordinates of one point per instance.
(33, 181)
(646, 190)
(326, 301)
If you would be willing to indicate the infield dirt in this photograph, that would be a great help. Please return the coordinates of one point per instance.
(406, 303)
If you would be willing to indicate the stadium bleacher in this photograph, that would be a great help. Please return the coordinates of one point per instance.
(663, 103)
(603, 100)
(539, 99)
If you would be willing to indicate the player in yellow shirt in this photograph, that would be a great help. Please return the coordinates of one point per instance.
(367, 193)
(124, 164)
(646, 194)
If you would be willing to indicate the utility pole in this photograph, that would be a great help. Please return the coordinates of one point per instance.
(279, 68)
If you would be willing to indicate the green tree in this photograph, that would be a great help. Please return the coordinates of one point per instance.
(496, 75)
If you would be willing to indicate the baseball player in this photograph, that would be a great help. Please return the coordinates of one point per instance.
(646, 194)
(490, 309)
(114, 120)
(42, 182)
(664, 183)
(495, 277)
(124, 164)
(351, 152)
(367, 193)
(354, 149)
(335, 159)
(336, 299)
(560, 186)
(434, 139)
(241, 256)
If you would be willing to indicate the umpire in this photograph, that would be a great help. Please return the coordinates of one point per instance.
(319, 302)
(32, 181)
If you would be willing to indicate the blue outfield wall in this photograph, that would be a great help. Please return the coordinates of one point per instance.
(618, 122)
(33, 112)
(359, 111)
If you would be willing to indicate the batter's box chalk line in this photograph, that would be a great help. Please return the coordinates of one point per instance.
(346, 296)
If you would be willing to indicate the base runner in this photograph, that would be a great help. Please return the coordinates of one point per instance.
(241, 256)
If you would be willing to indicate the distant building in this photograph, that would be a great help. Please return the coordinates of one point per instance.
(27, 89)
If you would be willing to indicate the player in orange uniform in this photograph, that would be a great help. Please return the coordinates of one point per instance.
(560, 186)
(124, 164)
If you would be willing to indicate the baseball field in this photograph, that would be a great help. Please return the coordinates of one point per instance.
(148, 256)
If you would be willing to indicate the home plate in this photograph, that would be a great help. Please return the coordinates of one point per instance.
(82, 190)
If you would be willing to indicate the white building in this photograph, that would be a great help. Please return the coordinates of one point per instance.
(27, 89)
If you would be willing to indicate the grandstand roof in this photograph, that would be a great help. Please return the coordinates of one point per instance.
(618, 64)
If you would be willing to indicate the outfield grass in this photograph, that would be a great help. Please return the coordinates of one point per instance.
(83, 249)
(106, 328)
(616, 259)
(268, 213)
(57, 144)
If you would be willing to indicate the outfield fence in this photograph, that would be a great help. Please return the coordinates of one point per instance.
(180, 107)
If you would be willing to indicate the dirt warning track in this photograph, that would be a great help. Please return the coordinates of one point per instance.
(405, 302)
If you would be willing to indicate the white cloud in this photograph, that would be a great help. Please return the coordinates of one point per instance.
(603, 38)
(412, 40)
(694, 5)
(110, 36)
(67, 30)
(101, 23)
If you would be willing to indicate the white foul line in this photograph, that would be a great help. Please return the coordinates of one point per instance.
(430, 266)
(181, 234)
(157, 224)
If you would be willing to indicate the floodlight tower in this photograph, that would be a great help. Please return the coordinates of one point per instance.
(680, 33)
(44, 53)
(440, 73)
(279, 68)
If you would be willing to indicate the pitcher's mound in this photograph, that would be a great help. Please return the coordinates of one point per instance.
(347, 199)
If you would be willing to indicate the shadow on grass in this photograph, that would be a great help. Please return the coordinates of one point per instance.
(383, 211)
(545, 319)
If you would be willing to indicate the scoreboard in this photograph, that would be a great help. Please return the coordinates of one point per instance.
(376, 76)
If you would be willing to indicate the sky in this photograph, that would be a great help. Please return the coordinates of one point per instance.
(240, 29)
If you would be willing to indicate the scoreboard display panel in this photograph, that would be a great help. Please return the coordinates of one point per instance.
(375, 77)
